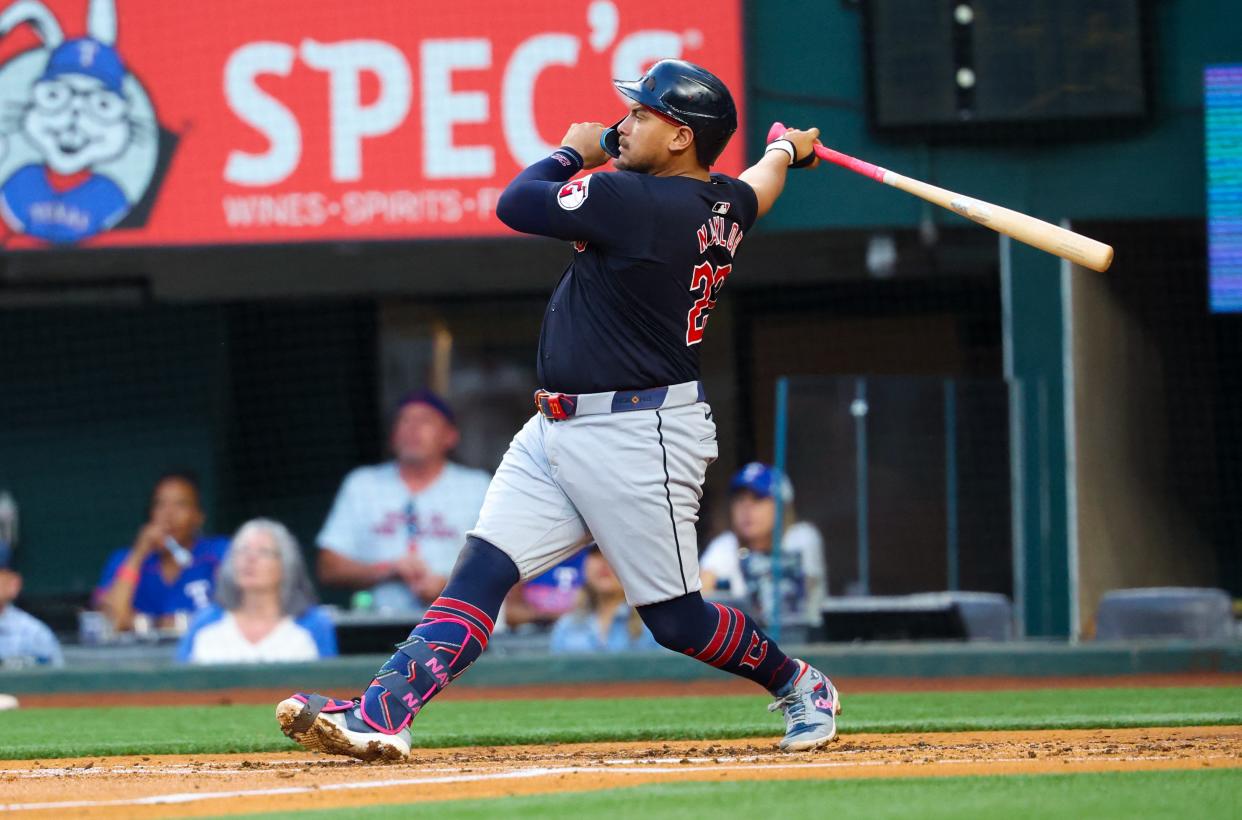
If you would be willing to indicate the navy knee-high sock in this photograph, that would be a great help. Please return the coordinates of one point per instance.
(451, 636)
(721, 636)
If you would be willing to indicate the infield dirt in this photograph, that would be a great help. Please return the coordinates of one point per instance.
(196, 785)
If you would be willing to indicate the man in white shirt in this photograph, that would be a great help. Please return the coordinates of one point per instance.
(741, 559)
(397, 528)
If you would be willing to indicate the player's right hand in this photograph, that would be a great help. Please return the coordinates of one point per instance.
(583, 137)
(804, 144)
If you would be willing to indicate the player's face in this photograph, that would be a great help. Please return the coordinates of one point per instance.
(645, 141)
(175, 507)
(421, 435)
(257, 563)
(753, 516)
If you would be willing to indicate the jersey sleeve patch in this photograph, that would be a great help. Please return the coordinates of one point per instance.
(573, 193)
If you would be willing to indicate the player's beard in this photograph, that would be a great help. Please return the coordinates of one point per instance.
(635, 165)
(631, 161)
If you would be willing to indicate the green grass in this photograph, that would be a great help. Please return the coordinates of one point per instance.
(45, 733)
(1099, 796)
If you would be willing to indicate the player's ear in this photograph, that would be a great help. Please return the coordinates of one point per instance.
(682, 139)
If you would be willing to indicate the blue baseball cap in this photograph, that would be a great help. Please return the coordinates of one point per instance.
(431, 399)
(760, 479)
(87, 56)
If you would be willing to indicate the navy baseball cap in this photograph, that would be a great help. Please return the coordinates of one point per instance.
(429, 398)
(760, 479)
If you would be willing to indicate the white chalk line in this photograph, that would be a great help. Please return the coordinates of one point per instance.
(173, 771)
(45, 772)
(521, 774)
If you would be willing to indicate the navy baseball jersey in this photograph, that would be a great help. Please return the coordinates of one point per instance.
(651, 255)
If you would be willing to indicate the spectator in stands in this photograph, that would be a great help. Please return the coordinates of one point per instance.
(739, 562)
(24, 639)
(603, 621)
(265, 605)
(546, 597)
(171, 564)
(396, 528)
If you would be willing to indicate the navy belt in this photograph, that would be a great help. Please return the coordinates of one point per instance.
(562, 406)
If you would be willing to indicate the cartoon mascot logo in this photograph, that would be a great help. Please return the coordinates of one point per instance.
(80, 146)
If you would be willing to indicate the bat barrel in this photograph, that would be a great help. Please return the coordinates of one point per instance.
(1027, 229)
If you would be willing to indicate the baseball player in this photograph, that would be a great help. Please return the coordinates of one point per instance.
(619, 447)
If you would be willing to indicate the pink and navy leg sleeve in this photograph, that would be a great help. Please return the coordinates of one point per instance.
(453, 633)
(720, 635)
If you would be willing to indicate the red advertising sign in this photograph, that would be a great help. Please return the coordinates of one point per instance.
(149, 122)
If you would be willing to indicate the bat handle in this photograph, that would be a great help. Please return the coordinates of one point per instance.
(856, 165)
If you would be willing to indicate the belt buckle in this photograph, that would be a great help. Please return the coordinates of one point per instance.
(554, 411)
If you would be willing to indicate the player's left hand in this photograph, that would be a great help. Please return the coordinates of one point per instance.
(583, 137)
(804, 143)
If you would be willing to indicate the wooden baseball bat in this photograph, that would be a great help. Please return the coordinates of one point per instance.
(1054, 239)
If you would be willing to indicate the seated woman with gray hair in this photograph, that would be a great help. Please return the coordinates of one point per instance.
(265, 605)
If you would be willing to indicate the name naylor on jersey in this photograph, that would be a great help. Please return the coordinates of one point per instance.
(715, 232)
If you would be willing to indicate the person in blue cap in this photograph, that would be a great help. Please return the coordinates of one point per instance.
(740, 560)
(396, 528)
(78, 118)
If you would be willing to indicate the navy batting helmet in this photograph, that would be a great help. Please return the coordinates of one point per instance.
(687, 94)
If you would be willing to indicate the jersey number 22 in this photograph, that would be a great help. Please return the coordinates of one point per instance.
(710, 280)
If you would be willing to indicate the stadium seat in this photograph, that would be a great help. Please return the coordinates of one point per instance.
(1165, 612)
(923, 616)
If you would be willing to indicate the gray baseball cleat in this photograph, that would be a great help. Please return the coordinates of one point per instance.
(810, 705)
